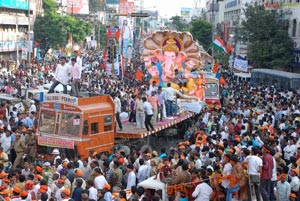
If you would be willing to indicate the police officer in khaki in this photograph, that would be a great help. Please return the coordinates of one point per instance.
(20, 148)
(30, 144)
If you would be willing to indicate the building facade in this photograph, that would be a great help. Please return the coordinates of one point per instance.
(16, 24)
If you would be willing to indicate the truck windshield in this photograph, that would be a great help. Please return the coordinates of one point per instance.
(70, 125)
(47, 121)
(60, 123)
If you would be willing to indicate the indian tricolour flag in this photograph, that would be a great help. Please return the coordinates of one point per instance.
(219, 44)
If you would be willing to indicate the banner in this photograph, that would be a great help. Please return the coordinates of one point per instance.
(113, 2)
(185, 12)
(18, 4)
(116, 68)
(240, 64)
(55, 142)
(126, 7)
(78, 7)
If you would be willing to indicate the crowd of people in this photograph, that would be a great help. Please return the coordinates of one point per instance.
(249, 149)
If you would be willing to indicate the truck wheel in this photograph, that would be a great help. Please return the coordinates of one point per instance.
(146, 148)
(125, 149)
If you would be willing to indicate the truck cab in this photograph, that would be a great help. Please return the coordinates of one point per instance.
(75, 125)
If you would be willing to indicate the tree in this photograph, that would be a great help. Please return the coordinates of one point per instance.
(53, 30)
(266, 32)
(201, 31)
(178, 23)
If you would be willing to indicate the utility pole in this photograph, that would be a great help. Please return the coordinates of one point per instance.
(29, 42)
(17, 40)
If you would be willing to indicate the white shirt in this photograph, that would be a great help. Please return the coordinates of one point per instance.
(131, 180)
(93, 193)
(289, 151)
(147, 108)
(202, 192)
(170, 93)
(226, 171)
(142, 173)
(254, 164)
(100, 181)
(117, 105)
(32, 108)
(198, 164)
(58, 193)
(5, 142)
(62, 73)
(295, 184)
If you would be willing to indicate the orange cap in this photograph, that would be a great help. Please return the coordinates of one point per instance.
(61, 181)
(43, 189)
(24, 129)
(198, 145)
(148, 154)
(283, 176)
(1, 129)
(3, 174)
(66, 191)
(79, 173)
(5, 180)
(17, 190)
(107, 186)
(4, 192)
(181, 147)
(296, 171)
(39, 169)
(187, 143)
(24, 194)
(121, 161)
(230, 151)
(65, 164)
(38, 176)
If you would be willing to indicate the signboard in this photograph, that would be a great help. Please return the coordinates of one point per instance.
(126, 7)
(6, 46)
(78, 7)
(240, 64)
(113, 2)
(185, 12)
(116, 68)
(55, 142)
(24, 54)
(61, 98)
(18, 4)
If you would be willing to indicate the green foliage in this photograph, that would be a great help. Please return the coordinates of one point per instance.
(102, 34)
(222, 58)
(266, 32)
(53, 30)
(201, 31)
(178, 23)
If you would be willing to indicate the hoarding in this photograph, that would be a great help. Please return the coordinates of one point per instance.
(126, 7)
(112, 1)
(185, 12)
(78, 7)
(17, 4)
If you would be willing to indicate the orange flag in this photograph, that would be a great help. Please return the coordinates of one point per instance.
(229, 48)
(215, 68)
(139, 75)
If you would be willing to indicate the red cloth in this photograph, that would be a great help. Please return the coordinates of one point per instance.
(267, 166)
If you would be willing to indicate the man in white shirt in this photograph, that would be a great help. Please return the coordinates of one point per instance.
(6, 142)
(203, 191)
(32, 107)
(255, 164)
(227, 170)
(61, 76)
(170, 96)
(295, 182)
(131, 181)
(143, 171)
(99, 180)
(75, 75)
(149, 113)
(117, 102)
(92, 190)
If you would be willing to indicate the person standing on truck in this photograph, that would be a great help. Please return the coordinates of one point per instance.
(149, 113)
(61, 76)
(75, 77)
(118, 109)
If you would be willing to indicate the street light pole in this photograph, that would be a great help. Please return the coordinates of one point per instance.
(28, 36)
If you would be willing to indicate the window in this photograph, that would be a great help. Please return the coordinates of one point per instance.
(47, 122)
(108, 123)
(94, 128)
(70, 125)
(294, 28)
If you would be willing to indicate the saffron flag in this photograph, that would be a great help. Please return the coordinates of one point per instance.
(139, 75)
(215, 68)
(218, 44)
(229, 48)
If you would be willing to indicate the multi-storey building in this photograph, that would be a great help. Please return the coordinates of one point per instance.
(16, 24)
